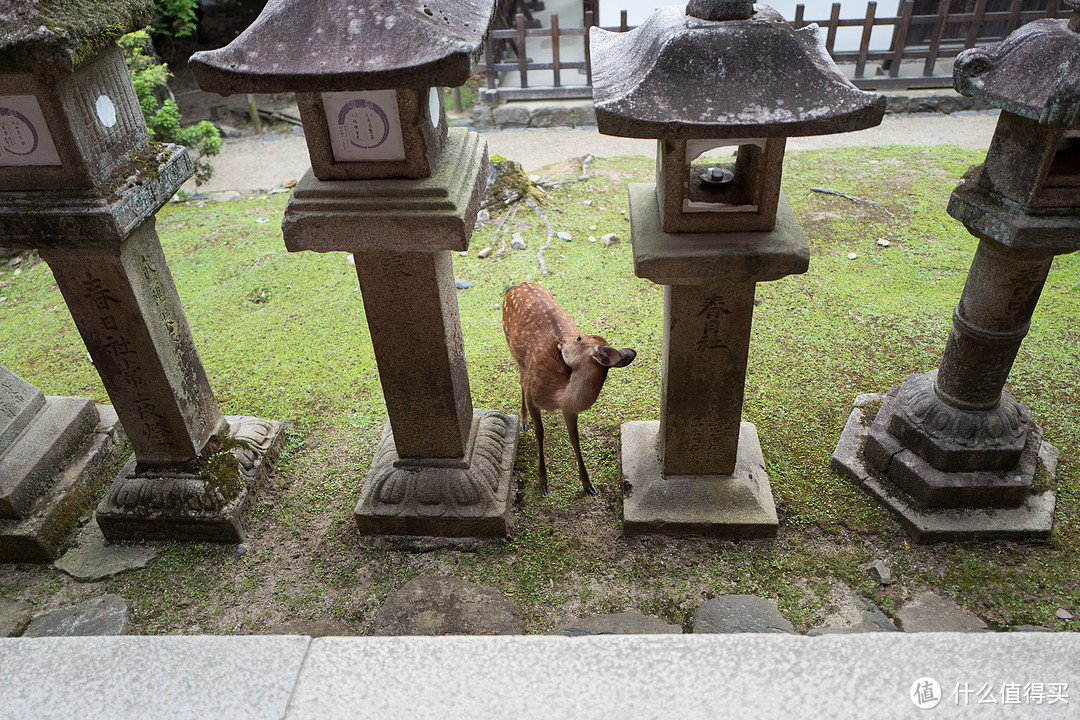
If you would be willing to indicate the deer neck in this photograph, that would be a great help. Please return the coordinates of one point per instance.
(583, 388)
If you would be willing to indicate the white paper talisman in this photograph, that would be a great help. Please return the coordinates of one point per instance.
(364, 126)
(24, 136)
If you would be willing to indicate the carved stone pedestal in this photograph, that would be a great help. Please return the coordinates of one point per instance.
(208, 499)
(55, 454)
(468, 496)
(952, 453)
(736, 505)
(937, 505)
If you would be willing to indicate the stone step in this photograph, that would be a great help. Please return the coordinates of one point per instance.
(873, 675)
(47, 441)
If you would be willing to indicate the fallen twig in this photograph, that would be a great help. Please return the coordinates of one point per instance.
(853, 198)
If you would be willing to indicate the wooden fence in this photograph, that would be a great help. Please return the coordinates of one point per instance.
(941, 35)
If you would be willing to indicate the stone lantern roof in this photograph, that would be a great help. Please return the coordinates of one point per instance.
(1034, 73)
(59, 35)
(326, 46)
(680, 76)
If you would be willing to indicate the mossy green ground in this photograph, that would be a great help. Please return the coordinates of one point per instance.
(283, 336)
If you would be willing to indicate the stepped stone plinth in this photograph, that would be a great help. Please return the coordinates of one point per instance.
(55, 455)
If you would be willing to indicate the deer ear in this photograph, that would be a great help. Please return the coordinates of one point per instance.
(606, 355)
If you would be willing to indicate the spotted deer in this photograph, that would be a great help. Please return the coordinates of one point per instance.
(559, 368)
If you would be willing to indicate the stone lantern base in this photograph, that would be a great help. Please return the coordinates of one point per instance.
(212, 502)
(51, 474)
(444, 497)
(935, 505)
(739, 505)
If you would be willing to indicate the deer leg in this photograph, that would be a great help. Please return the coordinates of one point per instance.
(523, 418)
(538, 426)
(572, 430)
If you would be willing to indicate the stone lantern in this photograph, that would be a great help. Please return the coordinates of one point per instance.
(951, 452)
(393, 185)
(713, 75)
(80, 182)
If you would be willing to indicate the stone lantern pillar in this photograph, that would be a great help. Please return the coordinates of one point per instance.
(713, 75)
(951, 452)
(393, 185)
(80, 182)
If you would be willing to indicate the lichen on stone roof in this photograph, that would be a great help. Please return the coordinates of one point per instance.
(677, 76)
(1034, 73)
(325, 45)
(59, 35)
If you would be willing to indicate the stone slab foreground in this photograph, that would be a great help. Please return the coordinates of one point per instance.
(624, 676)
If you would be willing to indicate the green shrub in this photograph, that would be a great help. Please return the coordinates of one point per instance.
(161, 113)
(174, 17)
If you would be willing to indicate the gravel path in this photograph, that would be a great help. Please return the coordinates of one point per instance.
(264, 162)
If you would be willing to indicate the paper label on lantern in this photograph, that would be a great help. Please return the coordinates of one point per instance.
(364, 126)
(24, 136)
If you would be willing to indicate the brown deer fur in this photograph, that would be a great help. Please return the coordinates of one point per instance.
(559, 368)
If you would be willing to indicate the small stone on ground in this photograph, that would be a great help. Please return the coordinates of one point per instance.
(740, 614)
(932, 613)
(446, 606)
(92, 560)
(1063, 614)
(881, 573)
(626, 623)
(609, 239)
(105, 615)
(14, 617)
